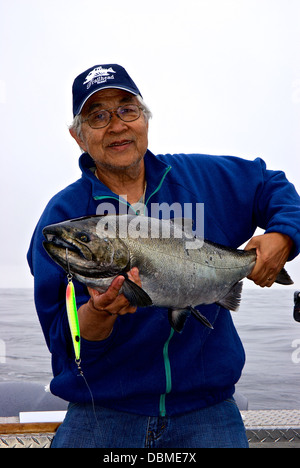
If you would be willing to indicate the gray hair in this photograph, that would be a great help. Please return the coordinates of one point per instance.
(77, 121)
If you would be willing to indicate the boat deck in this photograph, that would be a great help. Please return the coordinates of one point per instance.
(265, 429)
(272, 428)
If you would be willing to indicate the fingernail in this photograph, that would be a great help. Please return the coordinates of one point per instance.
(121, 280)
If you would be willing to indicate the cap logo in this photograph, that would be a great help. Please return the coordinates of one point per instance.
(99, 75)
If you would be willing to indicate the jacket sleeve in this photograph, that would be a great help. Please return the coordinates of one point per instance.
(277, 205)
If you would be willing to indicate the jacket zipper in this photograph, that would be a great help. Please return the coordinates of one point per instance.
(159, 185)
(162, 401)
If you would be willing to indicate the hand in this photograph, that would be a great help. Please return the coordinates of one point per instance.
(112, 302)
(98, 315)
(272, 250)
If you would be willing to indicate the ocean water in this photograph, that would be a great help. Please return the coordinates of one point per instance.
(271, 338)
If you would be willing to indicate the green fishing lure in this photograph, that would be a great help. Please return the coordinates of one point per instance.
(73, 318)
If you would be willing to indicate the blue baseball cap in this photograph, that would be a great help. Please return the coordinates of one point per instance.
(97, 78)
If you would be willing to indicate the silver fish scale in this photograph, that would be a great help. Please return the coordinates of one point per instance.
(194, 276)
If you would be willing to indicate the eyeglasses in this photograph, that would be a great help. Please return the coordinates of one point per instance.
(101, 118)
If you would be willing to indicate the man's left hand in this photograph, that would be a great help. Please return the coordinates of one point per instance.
(272, 250)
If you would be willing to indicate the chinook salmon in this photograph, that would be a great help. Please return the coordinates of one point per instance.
(177, 270)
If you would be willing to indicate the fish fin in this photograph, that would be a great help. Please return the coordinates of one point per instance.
(233, 298)
(200, 317)
(177, 318)
(284, 278)
(134, 294)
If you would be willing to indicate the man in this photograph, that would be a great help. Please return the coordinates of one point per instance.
(143, 385)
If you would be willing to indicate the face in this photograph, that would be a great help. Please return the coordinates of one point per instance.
(120, 144)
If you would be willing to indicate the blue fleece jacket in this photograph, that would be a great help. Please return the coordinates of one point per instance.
(144, 367)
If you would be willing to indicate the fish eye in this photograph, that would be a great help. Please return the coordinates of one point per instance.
(83, 237)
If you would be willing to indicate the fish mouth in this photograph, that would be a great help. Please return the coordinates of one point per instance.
(53, 241)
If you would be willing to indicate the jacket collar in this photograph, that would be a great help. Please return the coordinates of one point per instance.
(155, 173)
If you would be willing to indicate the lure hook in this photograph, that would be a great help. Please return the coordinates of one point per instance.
(69, 274)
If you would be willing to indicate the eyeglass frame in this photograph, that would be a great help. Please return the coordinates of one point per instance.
(111, 112)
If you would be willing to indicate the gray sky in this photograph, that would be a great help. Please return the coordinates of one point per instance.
(232, 67)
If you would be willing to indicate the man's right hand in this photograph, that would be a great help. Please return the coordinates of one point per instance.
(98, 315)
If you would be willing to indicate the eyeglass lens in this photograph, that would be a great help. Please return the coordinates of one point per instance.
(102, 118)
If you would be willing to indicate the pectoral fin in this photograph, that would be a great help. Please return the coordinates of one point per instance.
(134, 294)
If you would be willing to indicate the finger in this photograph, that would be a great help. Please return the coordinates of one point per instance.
(112, 302)
(102, 300)
(252, 244)
(262, 276)
(120, 306)
(127, 309)
(265, 283)
(112, 290)
(134, 276)
(259, 272)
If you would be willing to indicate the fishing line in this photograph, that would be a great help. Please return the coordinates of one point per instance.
(75, 330)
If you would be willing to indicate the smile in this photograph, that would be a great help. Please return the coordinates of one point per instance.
(120, 143)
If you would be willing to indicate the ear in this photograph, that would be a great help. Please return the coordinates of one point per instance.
(79, 141)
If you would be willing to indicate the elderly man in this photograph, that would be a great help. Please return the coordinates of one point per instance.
(145, 386)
